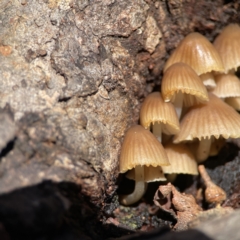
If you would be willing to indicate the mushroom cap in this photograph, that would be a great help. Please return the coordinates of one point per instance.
(154, 109)
(215, 118)
(228, 85)
(227, 44)
(181, 160)
(196, 51)
(141, 147)
(180, 77)
(233, 102)
(151, 174)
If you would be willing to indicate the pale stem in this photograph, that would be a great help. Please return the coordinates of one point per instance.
(207, 180)
(203, 149)
(157, 131)
(178, 103)
(139, 190)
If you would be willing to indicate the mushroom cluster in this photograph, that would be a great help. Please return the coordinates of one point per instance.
(192, 115)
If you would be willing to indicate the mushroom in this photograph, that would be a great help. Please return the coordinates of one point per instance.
(228, 88)
(208, 121)
(182, 86)
(162, 116)
(213, 193)
(196, 51)
(228, 85)
(228, 45)
(181, 160)
(140, 148)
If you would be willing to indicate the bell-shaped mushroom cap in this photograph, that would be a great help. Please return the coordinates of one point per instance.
(215, 118)
(228, 85)
(196, 51)
(181, 78)
(140, 147)
(181, 160)
(233, 102)
(151, 174)
(155, 110)
(228, 45)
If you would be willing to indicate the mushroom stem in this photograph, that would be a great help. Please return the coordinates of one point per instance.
(203, 149)
(207, 180)
(178, 103)
(157, 131)
(139, 190)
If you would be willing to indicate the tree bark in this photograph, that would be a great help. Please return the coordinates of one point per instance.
(73, 75)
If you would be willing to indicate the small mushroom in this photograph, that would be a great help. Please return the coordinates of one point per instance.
(160, 115)
(181, 159)
(196, 51)
(213, 193)
(140, 148)
(182, 86)
(228, 45)
(228, 85)
(207, 121)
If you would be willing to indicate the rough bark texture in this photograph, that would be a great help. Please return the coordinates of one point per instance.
(73, 74)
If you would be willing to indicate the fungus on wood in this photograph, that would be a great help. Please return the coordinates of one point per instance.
(228, 45)
(228, 85)
(181, 159)
(206, 121)
(196, 51)
(140, 148)
(182, 86)
(160, 115)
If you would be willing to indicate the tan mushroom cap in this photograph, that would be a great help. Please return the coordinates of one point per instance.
(151, 174)
(196, 51)
(179, 77)
(228, 85)
(215, 118)
(141, 148)
(155, 110)
(228, 45)
(233, 102)
(181, 160)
